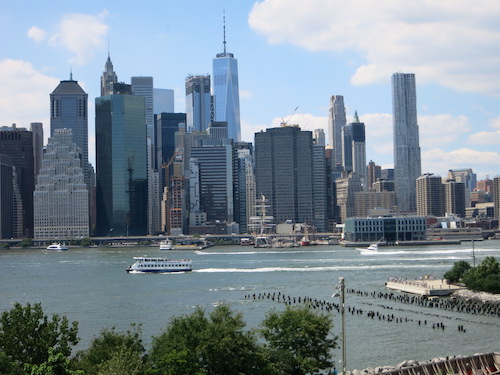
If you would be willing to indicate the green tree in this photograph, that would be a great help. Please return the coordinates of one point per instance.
(27, 335)
(485, 277)
(107, 349)
(7, 367)
(26, 242)
(57, 364)
(85, 242)
(457, 272)
(216, 345)
(298, 340)
(123, 361)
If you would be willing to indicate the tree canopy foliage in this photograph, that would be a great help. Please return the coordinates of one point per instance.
(28, 336)
(112, 351)
(197, 344)
(294, 341)
(483, 278)
(298, 340)
(457, 272)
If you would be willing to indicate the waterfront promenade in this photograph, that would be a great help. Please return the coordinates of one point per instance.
(427, 287)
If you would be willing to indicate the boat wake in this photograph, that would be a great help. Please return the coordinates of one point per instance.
(310, 269)
(271, 251)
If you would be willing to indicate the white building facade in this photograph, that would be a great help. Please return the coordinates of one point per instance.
(61, 207)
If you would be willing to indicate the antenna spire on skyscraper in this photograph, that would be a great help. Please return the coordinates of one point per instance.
(224, 29)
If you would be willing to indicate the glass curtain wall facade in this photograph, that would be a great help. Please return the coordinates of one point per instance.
(198, 103)
(121, 165)
(18, 144)
(283, 169)
(226, 93)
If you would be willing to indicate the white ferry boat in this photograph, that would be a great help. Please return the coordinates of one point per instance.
(167, 244)
(56, 246)
(159, 265)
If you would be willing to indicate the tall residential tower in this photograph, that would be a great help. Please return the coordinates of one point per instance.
(407, 164)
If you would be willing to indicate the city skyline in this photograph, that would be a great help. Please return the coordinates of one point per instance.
(315, 56)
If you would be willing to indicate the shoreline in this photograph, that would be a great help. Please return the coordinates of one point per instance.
(479, 296)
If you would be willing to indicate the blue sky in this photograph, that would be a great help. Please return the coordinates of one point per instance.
(290, 53)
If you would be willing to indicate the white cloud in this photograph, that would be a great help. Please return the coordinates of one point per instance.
(305, 121)
(450, 43)
(495, 123)
(24, 94)
(439, 161)
(440, 130)
(485, 138)
(37, 34)
(245, 94)
(81, 34)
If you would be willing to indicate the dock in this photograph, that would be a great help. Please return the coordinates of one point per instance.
(427, 287)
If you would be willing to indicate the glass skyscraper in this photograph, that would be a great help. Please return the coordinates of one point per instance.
(198, 103)
(407, 164)
(226, 92)
(17, 143)
(121, 164)
(284, 173)
(354, 148)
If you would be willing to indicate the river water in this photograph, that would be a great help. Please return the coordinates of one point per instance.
(90, 285)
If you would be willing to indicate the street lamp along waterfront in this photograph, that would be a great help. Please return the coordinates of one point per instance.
(341, 287)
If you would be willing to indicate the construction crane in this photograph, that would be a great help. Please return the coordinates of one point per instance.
(285, 123)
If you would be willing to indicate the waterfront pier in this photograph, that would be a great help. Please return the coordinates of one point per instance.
(424, 287)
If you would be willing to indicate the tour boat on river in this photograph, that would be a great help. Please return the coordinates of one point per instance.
(160, 265)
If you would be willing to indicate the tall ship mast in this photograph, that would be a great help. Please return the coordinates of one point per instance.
(262, 224)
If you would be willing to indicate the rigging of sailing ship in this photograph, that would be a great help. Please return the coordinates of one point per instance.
(262, 224)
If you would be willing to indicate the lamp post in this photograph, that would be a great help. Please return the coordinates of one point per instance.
(341, 287)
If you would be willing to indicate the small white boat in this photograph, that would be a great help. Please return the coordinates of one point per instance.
(372, 249)
(167, 245)
(160, 265)
(56, 246)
